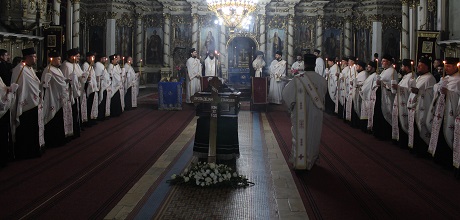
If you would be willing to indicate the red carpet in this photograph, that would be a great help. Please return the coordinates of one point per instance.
(87, 177)
(359, 177)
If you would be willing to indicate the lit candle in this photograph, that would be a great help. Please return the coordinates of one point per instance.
(327, 64)
(74, 60)
(444, 69)
(140, 68)
(393, 75)
(123, 61)
(377, 66)
(49, 67)
(20, 73)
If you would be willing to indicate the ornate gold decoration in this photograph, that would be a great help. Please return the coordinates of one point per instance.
(155, 20)
(232, 12)
(126, 20)
(277, 22)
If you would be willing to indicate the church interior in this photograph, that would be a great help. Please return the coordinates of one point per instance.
(121, 168)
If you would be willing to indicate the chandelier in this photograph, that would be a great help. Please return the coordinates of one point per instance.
(232, 12)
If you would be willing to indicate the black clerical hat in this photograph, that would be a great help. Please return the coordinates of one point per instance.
(362, 64)
(258, 53)
(452, 60)
(372, 63)
(425, 61)
(192, 50)
(352, 58)
(54, 54)
(28, 51)
(72, 52)
(279, 53)
(309, 59)
(345, 58)
(407, 62)
(89, 54)
(388, 57)
(317, 51)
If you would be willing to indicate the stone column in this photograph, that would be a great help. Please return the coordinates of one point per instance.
(377, 37)
(319, 32)
(76, 24)
(441, 15)
(290, 39)
(223, 53)
(347, 36)
(56, 11)
(110, 43)
(412, 30)
(167, 39)
(405, 43)
(138, 39)
(422, 15)
(69, 19)
(195, 28)
(262, 35)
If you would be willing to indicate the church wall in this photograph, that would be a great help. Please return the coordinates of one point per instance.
(454, 11)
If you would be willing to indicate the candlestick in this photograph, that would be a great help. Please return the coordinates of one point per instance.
(20, 73)
(73, 63)
(377, 66)
(393, 74)
(123, 61)
(49, 67)
(327, 64)
(140, 68)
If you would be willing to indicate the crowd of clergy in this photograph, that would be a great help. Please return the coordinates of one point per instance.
(412, 103)
(46, 110)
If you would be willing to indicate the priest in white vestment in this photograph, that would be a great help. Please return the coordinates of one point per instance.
(6, 100)
(92, 89)
(210, 65)
(357, 99)
(27, 111)
(365, 93)
(319, 63)
(57, 107)
(193, 75)
(399, 115)
(442, 116)
(117, 99)
(277, 73)
(384, 98)
(130, 85)
(304, 97)
(418, 105)
(298, 66)
(332, 75)
(105, 87)
(342, 92)
(349, 88)
(258, 64)
(72, 71)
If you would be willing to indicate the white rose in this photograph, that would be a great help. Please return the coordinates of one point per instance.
(220, 180)
(212, 165)
(186, 179)
(235, 174)
(208, 179)
(173, 176)
(202, 184)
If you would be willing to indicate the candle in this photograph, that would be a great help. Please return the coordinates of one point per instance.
(20, 73)
(327, 64)
(49, 67)
(444, 69)
(73, 63)
(140, 68)
(105, 63)
(393, 75)
(123, 61)
(377, 66)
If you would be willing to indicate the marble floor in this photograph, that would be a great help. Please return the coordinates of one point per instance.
(274, 195)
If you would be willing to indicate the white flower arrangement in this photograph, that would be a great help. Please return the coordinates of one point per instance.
(210, 174)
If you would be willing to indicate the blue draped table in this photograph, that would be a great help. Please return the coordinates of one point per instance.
(170, 95)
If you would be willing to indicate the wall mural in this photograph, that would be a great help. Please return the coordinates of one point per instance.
(304, 35)
(124, 41)
(363, 45)
(208, 41)
(391, 43)
(154, 45)
(276, 42)
(332, 43)
(96, 44)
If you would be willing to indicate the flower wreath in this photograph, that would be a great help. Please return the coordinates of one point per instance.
(210, 174)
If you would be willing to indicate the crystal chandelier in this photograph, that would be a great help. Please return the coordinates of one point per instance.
(232, 12)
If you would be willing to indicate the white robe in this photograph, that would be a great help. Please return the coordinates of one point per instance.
(304, 96)
(357, 99)
(387, 97)
(6, 98)
(57, 97)
(277, 72)
(447, 112)
(297, 68)
(210, 66)
(418, 107)
(319, 68)
(399, 112)
(258, 64)
(332, 82)
(365, 93)
(193, 78)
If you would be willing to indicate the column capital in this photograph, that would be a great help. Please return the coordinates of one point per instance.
(75, 1)
(167, 15)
